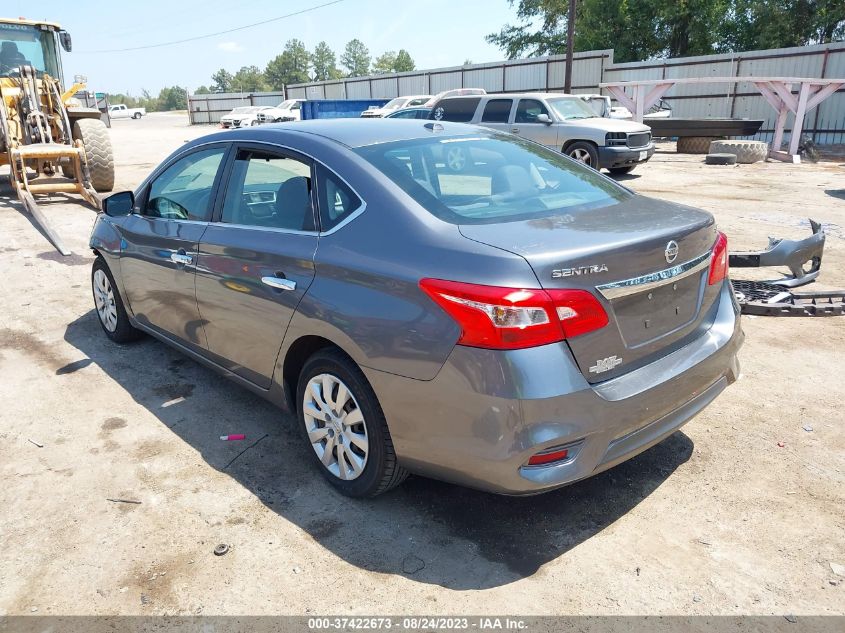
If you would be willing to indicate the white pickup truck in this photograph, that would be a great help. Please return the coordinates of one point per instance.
(120, 111)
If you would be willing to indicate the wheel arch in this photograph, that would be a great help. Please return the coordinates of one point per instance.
(572, 141)
(294, 359)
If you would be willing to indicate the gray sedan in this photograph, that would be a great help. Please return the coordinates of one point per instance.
(515, 326)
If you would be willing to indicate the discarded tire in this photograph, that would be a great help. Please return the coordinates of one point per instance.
(696, 144)
(720, 159)
(746, 152)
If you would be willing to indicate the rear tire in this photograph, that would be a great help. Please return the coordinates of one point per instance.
(98, 152)
(696, 144)
(332, 430)
(583, 152)
(137, 115)
(109, 306)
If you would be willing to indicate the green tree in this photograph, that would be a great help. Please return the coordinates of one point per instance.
(404, 63)
(172, 98)
(324, 62)
(755, 24)
(249, 79)
(221, 81)
(385, 63)
(642, 29)
(202, 90)
(356, 58)
(291, 67)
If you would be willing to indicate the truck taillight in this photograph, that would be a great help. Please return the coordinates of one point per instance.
(719, 260)
(496, 317)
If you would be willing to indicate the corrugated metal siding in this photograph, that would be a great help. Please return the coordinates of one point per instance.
(488, 78)
(211, 107)
(358, 89)
(593, 67)
(525, 77)
(413, 84)
(386, 88)
(445, 81)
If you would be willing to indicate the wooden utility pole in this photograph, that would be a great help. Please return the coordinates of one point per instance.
(570, 46)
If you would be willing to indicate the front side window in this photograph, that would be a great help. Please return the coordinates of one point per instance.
(337, 200)
(528, 110)
(490, 179)
(183, 190)
(269, 190)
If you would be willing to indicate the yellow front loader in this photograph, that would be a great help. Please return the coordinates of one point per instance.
(51, 143)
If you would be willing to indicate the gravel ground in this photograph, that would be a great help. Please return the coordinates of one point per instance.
(739, 513)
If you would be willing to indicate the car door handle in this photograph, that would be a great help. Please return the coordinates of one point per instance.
(278, 282)
(181, 258)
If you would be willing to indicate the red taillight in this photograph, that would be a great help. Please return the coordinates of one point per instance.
(719, 260)
(548, 457)
(494, 317)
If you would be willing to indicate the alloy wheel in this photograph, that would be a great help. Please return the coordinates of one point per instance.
(581, 155)
(104, 300)
(336, 427)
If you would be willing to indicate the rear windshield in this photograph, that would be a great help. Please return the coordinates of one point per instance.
(491, 179)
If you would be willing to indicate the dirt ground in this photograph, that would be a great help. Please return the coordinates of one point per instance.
(718, 519)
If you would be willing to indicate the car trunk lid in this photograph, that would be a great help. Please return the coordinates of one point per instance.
(646, 261)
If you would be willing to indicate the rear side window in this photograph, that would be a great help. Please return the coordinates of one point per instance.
(417, 102)
(528, 110)
(270, 191)
(497, 111)
(337, 200)
(458, 110)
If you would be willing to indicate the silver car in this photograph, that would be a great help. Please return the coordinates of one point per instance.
(514, 327)
(560, 121)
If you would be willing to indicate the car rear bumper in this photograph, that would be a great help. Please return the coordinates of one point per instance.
(486, 412)
(611, 157)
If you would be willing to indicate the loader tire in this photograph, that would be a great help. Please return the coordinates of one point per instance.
(98, 152)
(696, 144)
(746, 152)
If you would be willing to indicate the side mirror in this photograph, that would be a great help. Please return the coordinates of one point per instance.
(119, 204)
(66, 42)
(544, 118)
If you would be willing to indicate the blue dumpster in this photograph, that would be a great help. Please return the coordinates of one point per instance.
(338, 108)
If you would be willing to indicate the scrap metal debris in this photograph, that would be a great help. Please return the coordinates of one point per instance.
(767, 299)
(221, 549)
(36, 443)
(124, 501)
(802, 257)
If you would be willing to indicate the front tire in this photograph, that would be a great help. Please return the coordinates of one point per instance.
(110, 310)
(98, 153)
(584, 152)
(621, 171)
(344, 427)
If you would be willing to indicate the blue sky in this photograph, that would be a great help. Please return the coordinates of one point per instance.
(435, 32)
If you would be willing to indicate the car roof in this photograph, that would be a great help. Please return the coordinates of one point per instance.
(516, 95)
(352, 132)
